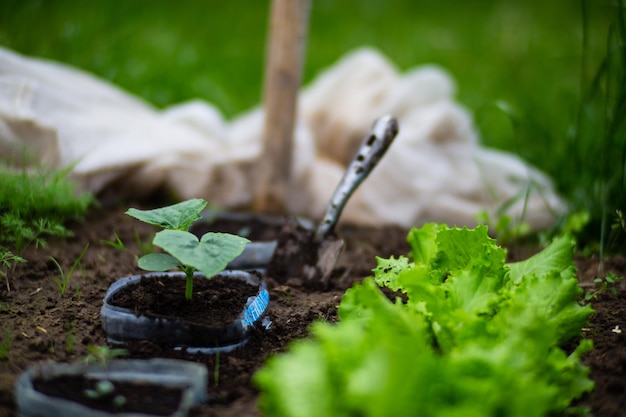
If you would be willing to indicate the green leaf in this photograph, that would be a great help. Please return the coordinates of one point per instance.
(556, 257)
(298, 384)
(552, 298)
(387, 271)
(209, 255)
(473, 293)
(175, 217)
(423, 242)
(465, 249)
(158, 262)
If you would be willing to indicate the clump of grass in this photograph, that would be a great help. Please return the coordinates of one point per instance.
(35, 206)
(598, 138)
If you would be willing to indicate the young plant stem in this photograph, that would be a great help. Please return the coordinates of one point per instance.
(216, 371)
(5, 345)
(189, 270)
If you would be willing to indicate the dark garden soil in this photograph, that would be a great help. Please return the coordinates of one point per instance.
(139, 397)
(41, 324)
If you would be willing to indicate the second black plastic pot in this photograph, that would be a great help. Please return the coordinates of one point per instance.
(191, 378)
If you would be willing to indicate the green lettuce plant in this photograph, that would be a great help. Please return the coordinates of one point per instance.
(467, 335)
(210, 254)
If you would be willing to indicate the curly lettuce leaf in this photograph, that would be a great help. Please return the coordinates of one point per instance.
(387, 271)
(468, 250)
(556, 257)
(423, 242)
(547, 281)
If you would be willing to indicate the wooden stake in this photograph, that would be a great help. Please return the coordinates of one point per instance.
(284, 62)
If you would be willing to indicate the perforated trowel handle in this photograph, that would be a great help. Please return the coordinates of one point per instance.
(370, 152)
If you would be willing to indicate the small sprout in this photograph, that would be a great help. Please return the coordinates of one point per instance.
(116, 244)
(210, 254)
(104, 389)
(103, 354)
(607, 284)
(8, 261)
(63, 280)
(144, 247)
(119, 401)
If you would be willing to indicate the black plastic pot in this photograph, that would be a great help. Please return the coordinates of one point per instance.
(189, 377)
(262, 230)
(122, 325)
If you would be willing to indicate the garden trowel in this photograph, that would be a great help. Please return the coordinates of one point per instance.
(310, 254)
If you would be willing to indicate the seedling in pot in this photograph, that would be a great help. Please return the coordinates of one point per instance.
(210, 254)
(104, 389)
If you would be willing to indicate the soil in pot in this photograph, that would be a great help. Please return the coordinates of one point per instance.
(139, 397)
(216, 302)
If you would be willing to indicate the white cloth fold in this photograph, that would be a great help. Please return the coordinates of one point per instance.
(435, 171)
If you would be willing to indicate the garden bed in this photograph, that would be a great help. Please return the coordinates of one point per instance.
(39, 324)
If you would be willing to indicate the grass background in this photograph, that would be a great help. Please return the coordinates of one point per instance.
(544, 79)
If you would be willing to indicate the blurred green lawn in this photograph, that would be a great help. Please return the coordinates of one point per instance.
(522, 67)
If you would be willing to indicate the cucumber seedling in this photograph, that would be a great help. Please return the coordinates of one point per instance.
(210, 254)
